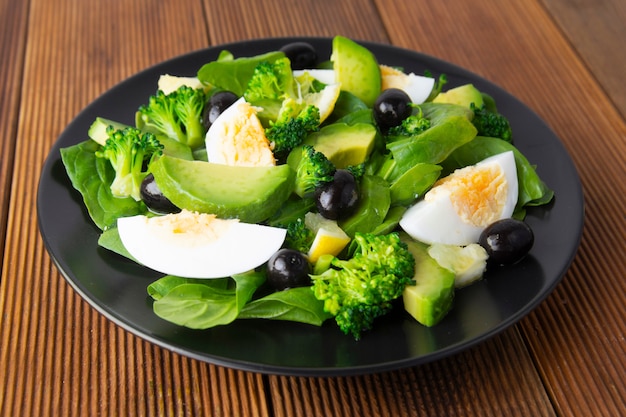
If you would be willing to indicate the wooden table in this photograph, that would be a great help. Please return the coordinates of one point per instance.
(565, 60)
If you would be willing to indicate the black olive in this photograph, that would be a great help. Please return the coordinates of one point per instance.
(216, 105)
(153, 197)
(507, 241)
(391, 107)
(339, 198)
(301, 54)
(288, 268)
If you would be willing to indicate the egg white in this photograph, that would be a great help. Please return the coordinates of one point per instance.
(188, 250)
(417, 87)
(435, 219)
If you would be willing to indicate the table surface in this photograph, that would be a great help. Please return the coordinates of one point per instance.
(564, 59)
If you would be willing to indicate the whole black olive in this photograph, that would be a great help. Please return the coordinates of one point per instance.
(391, 107)
(339, 198)
(216, 105)
(507, 241)
(288, 268)
(301, 54)
(153, 197)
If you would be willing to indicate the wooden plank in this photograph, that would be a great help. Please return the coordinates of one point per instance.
(13, 18)
(576, 336)
(597, 30)
(59, 357)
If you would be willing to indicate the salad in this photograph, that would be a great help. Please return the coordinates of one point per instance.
(289, 186)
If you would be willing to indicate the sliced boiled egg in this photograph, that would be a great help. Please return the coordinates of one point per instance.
(198, 245)
(461, 205)
(237, 138)
(417, 87)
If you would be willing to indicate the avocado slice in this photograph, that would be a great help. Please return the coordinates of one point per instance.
(430, 299)
(344, 145)
(357, 69)
(251, 194)
(463, 96)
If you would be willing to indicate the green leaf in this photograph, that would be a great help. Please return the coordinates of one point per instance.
(296, 304)
(80, 164)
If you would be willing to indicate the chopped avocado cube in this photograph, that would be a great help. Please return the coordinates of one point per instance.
(344, 145)
(430, 299)
(463, 96)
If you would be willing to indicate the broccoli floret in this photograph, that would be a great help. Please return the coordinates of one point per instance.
(130, 151)
(491, 124)
(414, 124)
(357, 171)
(313, 170)
(295, 122)
(299, 236)
(361, 288)
(269, 86)
(177, 115)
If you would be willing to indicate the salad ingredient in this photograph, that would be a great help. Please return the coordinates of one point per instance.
(98, 132)
(251, 194)
(288, 268)
(177, 115)
(129, 151)
(301, 54)
(372, 207)
(362, 287)
(491, 123)
(312, 169)
(169, 83)
(237, 138)
(463, 95)
(356, 69)
(293, 125)
(233, 74)
(418, 87)
(299, 235)
(414, 183)
(432, 296)
(198, 245)
(338, 198)
(507, 241)
(217, 104)
(269, 86)
(413, 125)
(461, 205)
(329, 238)
(391, 107)
(467, 262)
(325, 76)
(153, 197)
(344, 144)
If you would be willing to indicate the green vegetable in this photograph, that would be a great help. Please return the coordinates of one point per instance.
(271, 83)
(412, 125)
(361, 288)
(344, 144)
(491, 123)
(92, 177)
(312, 170)
(463, 95)
(129, 150)
(299, 236)
(440, 82)
(372, 208)
(294, 123)
(177, 115)
(294, 304)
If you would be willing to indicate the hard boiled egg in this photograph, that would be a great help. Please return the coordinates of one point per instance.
(417, 87)
(197, 245)
(237, 137)
(460, 206)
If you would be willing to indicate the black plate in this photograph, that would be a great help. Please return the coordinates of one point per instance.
(117, 288)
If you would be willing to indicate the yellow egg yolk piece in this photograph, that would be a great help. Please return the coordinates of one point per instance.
(477, 193)
(240, 139)
(190, 228)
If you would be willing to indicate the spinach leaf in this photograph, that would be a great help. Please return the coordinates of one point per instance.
(295, 304)
(202, 304)
(92, 177)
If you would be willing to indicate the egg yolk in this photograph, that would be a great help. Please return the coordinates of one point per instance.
(478, 194)
(243, 140)
(189, 228)
(392, 78)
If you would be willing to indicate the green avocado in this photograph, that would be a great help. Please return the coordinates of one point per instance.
(430, 299)
(357, 69)
(344, 145)
(251, 194)
(463, 96)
